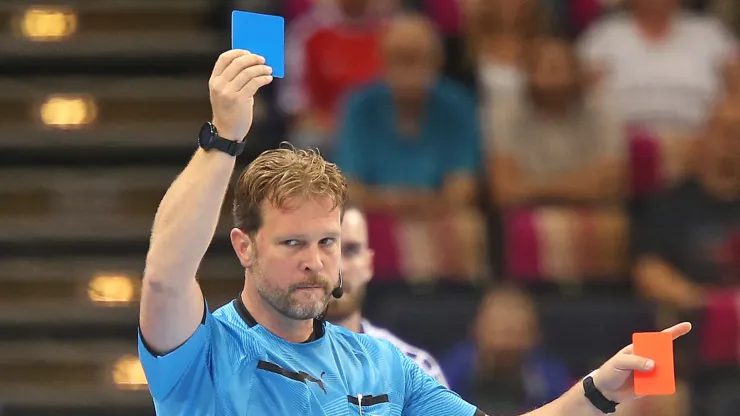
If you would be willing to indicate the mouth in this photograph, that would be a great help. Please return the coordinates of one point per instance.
(309, 288)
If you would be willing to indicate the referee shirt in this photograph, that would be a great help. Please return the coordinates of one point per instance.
(233, 366)
(421, 357)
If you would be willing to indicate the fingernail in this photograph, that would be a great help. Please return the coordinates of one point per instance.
(269, 68)
(649, 364)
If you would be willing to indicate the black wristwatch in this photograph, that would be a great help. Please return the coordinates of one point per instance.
(596, 398)
(209, 139)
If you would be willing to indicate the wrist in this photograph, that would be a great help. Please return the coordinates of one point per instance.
(583, 406)
(225, 134)
(593, 398)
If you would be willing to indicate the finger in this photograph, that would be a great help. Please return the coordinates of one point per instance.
(629, 362)
(679, 330)
(227, 58)
(254, 85)
(247, 75)
(239, 64)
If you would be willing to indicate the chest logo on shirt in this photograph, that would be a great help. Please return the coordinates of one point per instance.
(300, 376)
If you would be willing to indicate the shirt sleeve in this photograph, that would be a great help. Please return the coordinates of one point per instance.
(594, 45)
(425, 396)
(183, 377)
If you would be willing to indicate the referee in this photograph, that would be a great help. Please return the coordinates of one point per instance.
(357, 270)
(270, 352)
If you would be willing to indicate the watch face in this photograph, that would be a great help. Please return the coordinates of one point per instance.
(205, 138)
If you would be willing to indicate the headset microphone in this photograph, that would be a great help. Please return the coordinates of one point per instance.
(338, 291)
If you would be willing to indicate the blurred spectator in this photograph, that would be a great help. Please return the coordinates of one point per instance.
(498, 32)
(689, 259)
(503, 368)
(409, 144)
(666, 66)
(329, 51)
(556, 164)
(692, 241)
(561, 141)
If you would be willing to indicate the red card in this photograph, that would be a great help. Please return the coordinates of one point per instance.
(657, 346)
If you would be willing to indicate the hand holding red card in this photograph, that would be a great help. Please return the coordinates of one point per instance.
(657, 346)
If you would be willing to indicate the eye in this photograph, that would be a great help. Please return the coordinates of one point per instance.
(327, 241)
(291, 243)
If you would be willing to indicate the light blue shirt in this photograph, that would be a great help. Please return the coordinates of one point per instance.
(232, 366)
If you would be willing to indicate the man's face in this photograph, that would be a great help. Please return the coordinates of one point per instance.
(506, 329)
(356, 266)
(410, 60)
(552, 72)
(296, 253)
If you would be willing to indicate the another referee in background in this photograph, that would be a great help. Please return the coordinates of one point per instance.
(357, 271)
(270, 352)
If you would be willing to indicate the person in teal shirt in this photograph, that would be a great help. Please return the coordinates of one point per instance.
(412, 137)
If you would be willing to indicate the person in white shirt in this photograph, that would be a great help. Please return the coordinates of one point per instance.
(665, 66)
(357, 270)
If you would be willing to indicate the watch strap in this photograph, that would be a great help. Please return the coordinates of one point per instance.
(597, 398)
(228, 146)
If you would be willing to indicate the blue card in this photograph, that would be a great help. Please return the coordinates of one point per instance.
(261, 34)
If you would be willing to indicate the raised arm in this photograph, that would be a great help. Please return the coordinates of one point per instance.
(171, 301)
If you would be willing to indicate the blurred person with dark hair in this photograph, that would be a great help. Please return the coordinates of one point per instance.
(692, 241)
(357, 271)
(503, 368)
(409, 144)
(688, 259)
(665, 65)
(498, 33)
(561, 141)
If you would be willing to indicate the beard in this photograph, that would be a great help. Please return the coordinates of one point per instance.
(343, 308)
(286, 302)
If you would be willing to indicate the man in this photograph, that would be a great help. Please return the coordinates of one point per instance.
(357, 270)
(270, 351)
(409, 143)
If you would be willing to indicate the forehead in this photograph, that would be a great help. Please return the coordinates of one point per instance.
(408, 35)
(354, 226)
(302, 216)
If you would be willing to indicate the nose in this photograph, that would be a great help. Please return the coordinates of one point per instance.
(312, 260)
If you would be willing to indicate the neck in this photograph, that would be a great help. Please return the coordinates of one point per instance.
(281, 326)
(653, 24)
(553, 107)
(352, 322)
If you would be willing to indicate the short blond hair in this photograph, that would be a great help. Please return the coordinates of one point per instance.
(278, 175)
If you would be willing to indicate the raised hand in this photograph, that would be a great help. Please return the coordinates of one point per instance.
(236, 78)
(614, 378)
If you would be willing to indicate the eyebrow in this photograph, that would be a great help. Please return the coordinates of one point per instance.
(305, 237)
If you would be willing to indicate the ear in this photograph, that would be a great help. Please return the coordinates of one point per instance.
(371, 263)
(243, 247)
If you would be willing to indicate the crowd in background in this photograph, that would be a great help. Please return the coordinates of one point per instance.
(538, 142)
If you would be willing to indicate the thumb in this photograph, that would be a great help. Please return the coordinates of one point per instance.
(628, 362)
